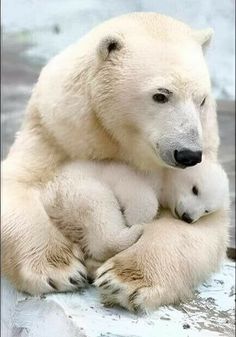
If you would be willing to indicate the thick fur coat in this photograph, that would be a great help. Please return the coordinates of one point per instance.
(98, 100)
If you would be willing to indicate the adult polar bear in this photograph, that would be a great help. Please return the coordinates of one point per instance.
(135, 89)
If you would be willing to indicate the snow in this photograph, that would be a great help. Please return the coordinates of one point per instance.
(53, 26)
(209, 314)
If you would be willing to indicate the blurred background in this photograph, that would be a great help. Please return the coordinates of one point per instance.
(35, 30)
(50, 26)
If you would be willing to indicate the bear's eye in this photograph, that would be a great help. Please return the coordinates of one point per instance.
(160, 98)
(206, 211)
(203, 101)
(195, 190)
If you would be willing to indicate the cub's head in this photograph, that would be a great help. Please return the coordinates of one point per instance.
(152, 93)
(197, 191)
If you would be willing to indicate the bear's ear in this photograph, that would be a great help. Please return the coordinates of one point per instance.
(203, 36)
(109, 45)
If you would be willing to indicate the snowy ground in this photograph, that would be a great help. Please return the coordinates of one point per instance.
(209, 314)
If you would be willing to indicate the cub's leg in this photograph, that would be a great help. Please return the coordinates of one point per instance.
(87, 213)
(134, 192)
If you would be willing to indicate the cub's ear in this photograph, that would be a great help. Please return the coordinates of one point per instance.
(109, 45)
(203, 36)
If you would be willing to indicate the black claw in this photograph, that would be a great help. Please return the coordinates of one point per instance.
(133, 296)
(106, 271)
(73, 281)
(106, 287)
(104, 283)
(83, 276)
(136, 308)
(52, 284)
(122, 210)
(90, 280)
(108, 304)
(116, 291)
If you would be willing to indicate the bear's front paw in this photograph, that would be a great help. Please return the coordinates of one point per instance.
(124, 286)
(71, 276)
(60, 270)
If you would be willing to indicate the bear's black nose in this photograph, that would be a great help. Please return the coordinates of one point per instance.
(185, 217)
(187, 157)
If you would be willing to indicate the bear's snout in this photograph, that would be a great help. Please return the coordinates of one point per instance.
(187, 157)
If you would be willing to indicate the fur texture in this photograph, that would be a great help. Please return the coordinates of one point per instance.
(103, 206)
(96, 103)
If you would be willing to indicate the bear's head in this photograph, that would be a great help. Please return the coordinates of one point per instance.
(153, 91)
(144, 77)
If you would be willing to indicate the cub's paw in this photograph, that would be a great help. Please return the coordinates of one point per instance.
(133, 234)
(124, 286)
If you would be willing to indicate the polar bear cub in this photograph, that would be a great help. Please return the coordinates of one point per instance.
(196, 191)
(96, 205)
(103, 205)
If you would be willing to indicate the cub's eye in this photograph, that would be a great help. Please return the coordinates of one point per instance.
(206, 211)
(195, 190)
(160, 98)
(203, 102)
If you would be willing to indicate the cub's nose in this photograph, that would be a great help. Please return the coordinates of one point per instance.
(187, 157)
(185, 217)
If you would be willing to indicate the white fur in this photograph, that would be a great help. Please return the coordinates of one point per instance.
(92, 203)
(213, 190)
(89, 104)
